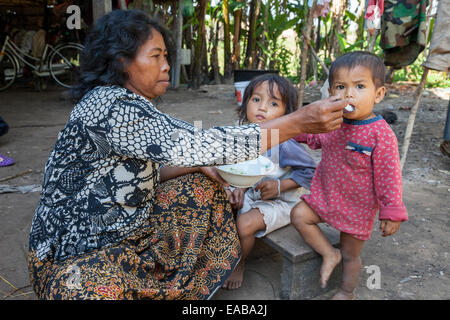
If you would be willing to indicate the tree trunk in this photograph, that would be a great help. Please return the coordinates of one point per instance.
(199, 45)
(306, 39)
(373, 40)
(227, 72)
(189, 42)
(250, 55)
(263, 63)
(360, 15)
(326, 39)
(178, 43)
(317, 36)
(236, 58)
(337, 11)
(214, 56)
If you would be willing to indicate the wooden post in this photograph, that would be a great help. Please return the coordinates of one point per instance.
(412, 117)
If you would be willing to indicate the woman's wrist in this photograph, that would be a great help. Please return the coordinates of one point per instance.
(189, 170)
(278, 130)
(167, 173)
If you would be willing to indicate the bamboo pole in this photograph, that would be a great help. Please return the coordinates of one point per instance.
(412, 117)
(419, 91)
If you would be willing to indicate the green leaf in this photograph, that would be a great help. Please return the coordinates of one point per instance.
(430, 29)
(353, 46)
(342, 42)
(236, 6)
(263, 48)
(350, 15)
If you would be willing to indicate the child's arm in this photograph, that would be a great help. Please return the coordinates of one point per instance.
(312, 140)
(388, 227)
(388, 183)
(269, 188)
(294, 155)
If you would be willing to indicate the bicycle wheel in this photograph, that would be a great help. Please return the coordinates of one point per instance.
(8, 70)
(64, 63)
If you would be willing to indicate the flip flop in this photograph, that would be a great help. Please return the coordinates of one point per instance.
(5, 161)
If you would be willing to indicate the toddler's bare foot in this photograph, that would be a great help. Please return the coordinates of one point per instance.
(235, 279)
(328, 265)
(342, 295)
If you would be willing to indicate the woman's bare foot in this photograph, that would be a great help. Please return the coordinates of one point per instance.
(235, 279)
(342, 295)
(328, 265)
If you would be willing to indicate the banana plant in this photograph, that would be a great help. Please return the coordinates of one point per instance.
(274, 50)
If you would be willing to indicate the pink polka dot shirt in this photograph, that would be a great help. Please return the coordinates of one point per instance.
(358, 175)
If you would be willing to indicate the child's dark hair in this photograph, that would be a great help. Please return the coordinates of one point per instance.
(359, 58)
(287, 91)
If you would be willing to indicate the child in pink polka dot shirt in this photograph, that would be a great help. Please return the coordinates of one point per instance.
(359, 173)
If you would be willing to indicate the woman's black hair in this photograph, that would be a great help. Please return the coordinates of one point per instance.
(111, 45)
(287, 91)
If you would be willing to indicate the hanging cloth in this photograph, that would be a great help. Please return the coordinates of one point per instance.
(374, 12)
(439, 56)
(403, 31)
(322, 7)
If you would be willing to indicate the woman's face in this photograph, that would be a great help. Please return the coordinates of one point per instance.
(149, 72)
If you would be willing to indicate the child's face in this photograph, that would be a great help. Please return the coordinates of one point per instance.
(262, 106)
(357, 86)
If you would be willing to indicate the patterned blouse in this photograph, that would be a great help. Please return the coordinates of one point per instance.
(100, 177)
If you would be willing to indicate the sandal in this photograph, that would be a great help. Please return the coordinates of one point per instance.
(5, 161)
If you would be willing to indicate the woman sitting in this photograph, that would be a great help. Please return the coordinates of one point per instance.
(106, 227)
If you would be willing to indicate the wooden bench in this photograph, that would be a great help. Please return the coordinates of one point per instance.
(300, 276)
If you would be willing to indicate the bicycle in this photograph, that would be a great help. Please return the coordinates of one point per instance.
(61, 62)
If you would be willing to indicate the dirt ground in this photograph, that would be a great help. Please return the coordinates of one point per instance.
(413, 263)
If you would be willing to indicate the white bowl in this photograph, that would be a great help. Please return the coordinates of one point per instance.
(246, 174)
